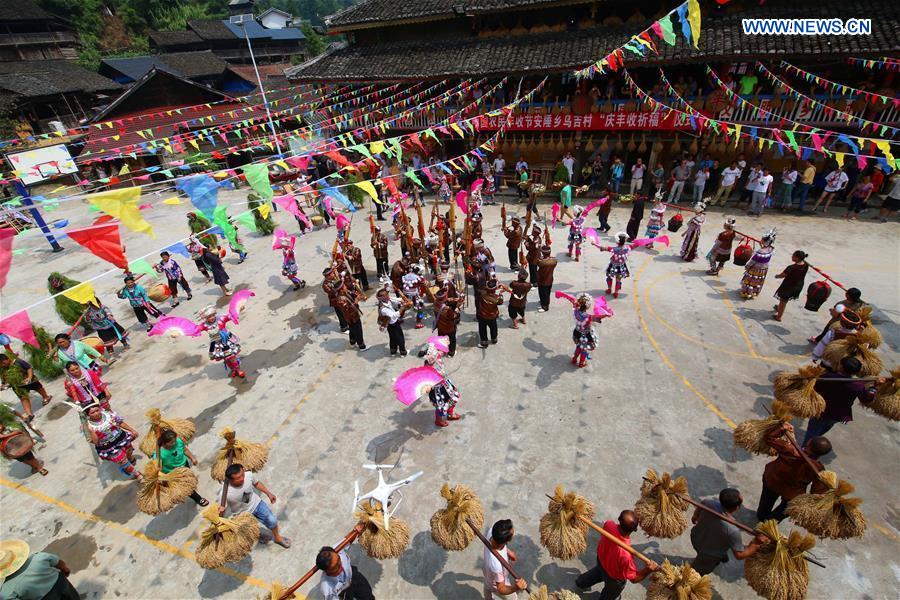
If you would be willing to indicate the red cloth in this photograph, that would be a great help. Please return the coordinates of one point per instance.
(617, 563)
(73, 393)
(103, 241)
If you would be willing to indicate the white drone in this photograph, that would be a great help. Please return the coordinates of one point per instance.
(383, 492)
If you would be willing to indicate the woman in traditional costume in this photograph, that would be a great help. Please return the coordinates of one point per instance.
(223, 344)
(444, 395)
(656, 222)
(756, 270)
(583, 334)
(112, 437)
(576, 233)
(289, 262)
(618, 263)
(691, 235)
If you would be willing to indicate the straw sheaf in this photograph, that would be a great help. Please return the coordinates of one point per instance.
(830, 515)
(751, 434)
(563, 533)
(887, 398)
(277, 591)
(678, 583)
(777, 571)
(797, 391)
(162, 491)
(183, 428)
(449, 528)
(542, 594)
(251, 455)
(868, 333)
(659, 511)
(377, 541)
(838, 350)
(226, 539)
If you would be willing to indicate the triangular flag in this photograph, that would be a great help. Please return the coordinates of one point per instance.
(368, 188)
(6, 243)
(81, 293)
(258, 178)
(668, 33)
(173, 200)
(246, 219)
(694, 18)
(122, 204)
(264, 210)
(103, 241)
(18, 325)
(141, 265)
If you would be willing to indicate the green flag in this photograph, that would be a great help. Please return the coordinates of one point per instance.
(258, 178)
(220, 218)
(141, 266)
(665, 24)
(412, 175)
(246, 219)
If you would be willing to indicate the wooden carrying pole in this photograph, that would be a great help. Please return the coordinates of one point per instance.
(348, 539)
(497, 555)
(730, 520)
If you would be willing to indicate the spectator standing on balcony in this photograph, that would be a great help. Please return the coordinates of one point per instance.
(499, 166)
(680, 175)
(788, 177)
(748, 84)
(568, 162)
(729, 177)
(616, 174)
(806, 180)
(637, 176)
(834, 182)
(700, 183)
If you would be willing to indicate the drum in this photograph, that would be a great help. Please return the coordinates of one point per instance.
(159, 292)
(816, 295)
(94, 342)
(316, 220)
(16, 444)
(743, 254)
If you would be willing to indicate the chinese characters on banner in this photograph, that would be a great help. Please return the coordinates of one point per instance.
(593, 121)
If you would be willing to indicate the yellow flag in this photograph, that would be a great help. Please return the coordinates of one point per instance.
(81, 293)
(264, 210)
(885, 148)
(124, 170)
(694, 20)
(737, 134)
(283, 165)
(194, 144)
(376, 147)
(456, 128)
(173, 200)
(123, 205)
(839, 157)
(368, 188)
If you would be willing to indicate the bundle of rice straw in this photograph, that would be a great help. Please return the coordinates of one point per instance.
(377, 541)
(449, 528)
(777, 571)
(869, 335)
(797, 391)
(751, 434)
(563, 532)
(660, 512)
(277, 591)
(160, 491)
(678, 583)
(226, 539)
(250, 455)
(543, 594)
(887, 398)
(830, 515)
(183, 428)
(853, 346)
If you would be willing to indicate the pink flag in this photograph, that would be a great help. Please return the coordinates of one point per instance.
(18, 325)
(477, 184)
(461, 196)
(175, 327)
(288, 203)
(662, 239)
(298, 162)
(595, 204)
(6, 242)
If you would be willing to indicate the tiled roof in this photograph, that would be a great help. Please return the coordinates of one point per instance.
(379, 12)
(174, 38)
(36, 78)
(186, 64)
(256, 31)
(721, 38)
(211, 29)
(22, 10)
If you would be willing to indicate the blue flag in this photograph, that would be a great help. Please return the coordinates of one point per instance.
(203, 191)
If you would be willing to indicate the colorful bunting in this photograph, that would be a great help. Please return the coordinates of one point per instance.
(122, 204)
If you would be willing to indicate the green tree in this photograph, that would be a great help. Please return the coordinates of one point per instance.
(68, 310)
(45, 366)
(315, 45)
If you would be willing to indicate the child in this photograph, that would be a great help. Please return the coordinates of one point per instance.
(139, 301)
(575, 233)
(196, 251)
(792, 286)
(289, 262)
(174, 275)
(618, 263)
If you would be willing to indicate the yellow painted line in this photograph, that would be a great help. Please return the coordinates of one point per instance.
(158, 544)
(637, 309)
(699, 342)
(739, 324)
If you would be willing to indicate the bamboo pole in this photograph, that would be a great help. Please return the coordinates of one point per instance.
(826, 276)
(497, 555)
(348, 539)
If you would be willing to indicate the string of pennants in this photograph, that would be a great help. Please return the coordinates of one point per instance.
(839, 88)
(885, 64)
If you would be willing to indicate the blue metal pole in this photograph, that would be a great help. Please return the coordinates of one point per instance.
(22, 190)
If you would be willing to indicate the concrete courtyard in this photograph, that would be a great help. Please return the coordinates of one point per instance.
(683, 361)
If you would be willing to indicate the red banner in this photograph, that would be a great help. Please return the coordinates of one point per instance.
(641, 120)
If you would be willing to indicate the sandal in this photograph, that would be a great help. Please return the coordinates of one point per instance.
(203, 502)
(284, 543)
(46, 400)
(43, 471)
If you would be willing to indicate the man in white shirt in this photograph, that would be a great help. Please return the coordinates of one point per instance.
(680, 173)
(497, 584)
(747, 194)
(834, 183)
(242, 497)
(700, 183)
(786, 194)
(499, 165)
(761, 191)
(521, 165)
(729, 178)
(390, 315)
(568, 162)
(340, 579)
(637, 176)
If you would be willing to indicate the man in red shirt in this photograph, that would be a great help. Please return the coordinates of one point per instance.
(615, 567)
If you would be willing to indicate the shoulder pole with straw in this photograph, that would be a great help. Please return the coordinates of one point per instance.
(730, 520)
(497, 555)
(225, 484)
(348, 539)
